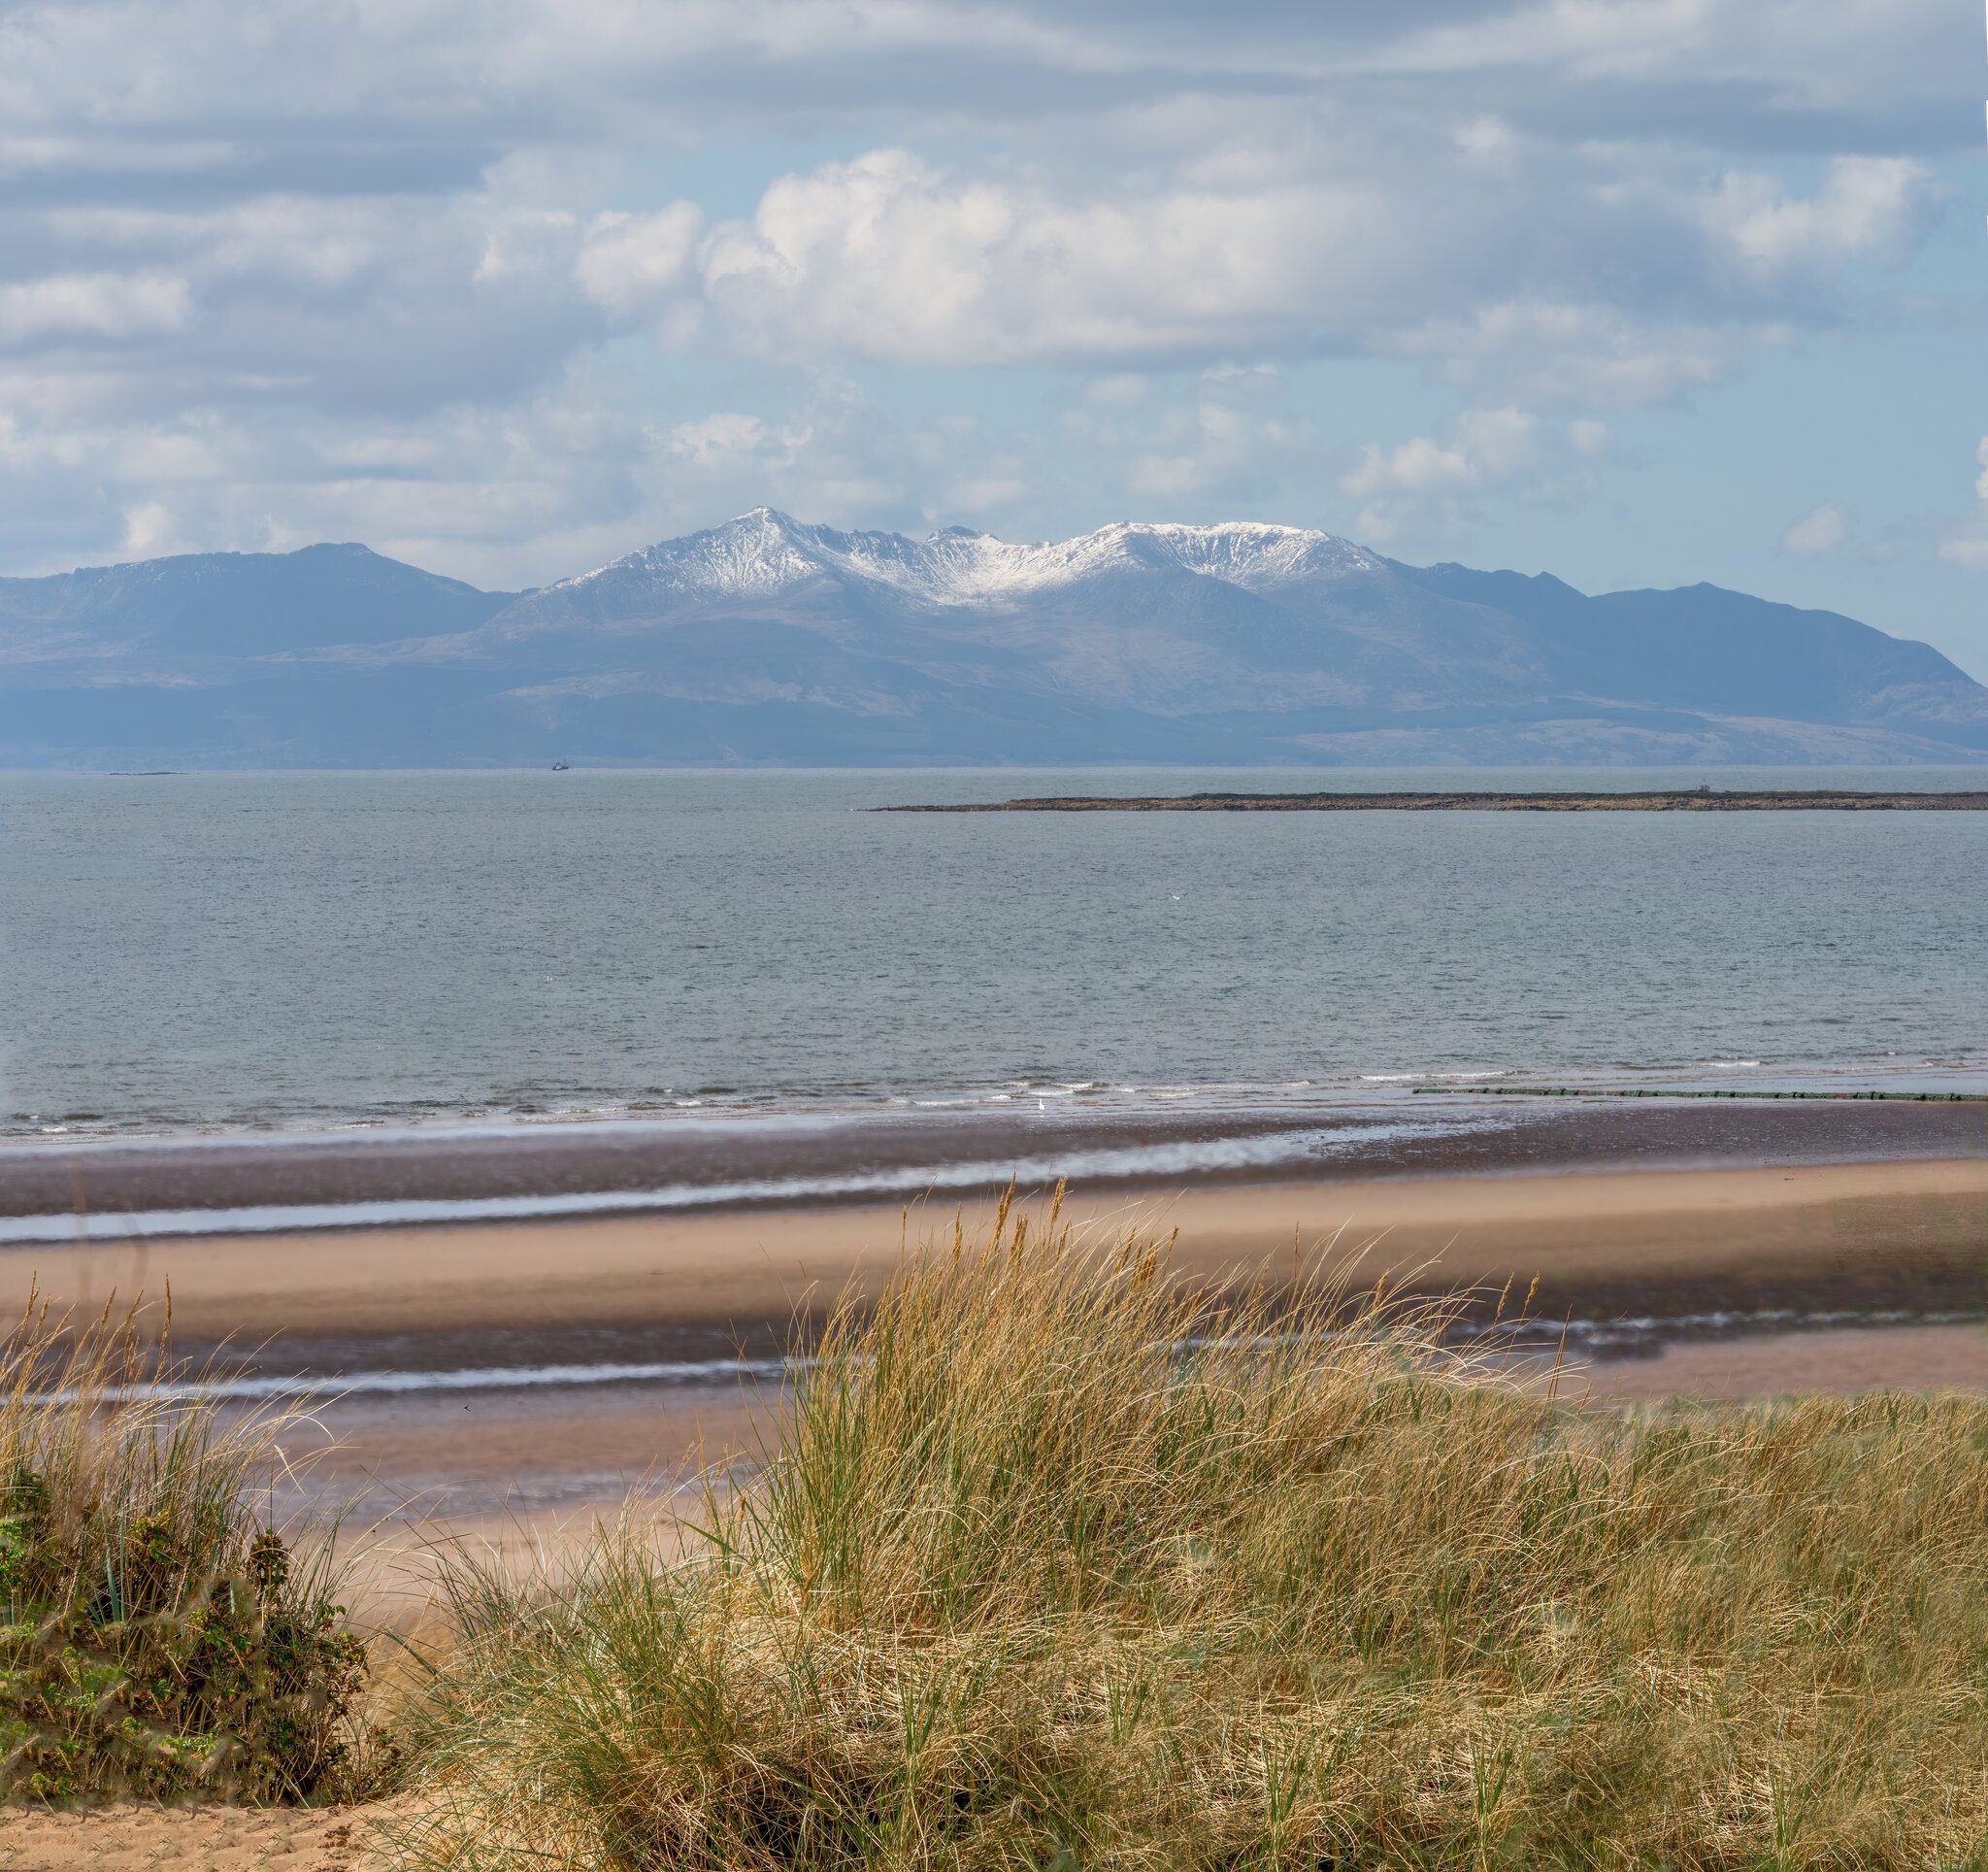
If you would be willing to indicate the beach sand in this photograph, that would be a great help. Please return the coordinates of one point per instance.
(389, 1578)
(133, 1838)
(1814, 1237)
(1700, 1255)
(518, 1473)
(1845, 1359)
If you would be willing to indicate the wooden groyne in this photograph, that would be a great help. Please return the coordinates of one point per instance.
(1618, 1091)
(1693, 800)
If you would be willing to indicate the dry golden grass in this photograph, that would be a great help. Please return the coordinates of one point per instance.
(1054, 1566)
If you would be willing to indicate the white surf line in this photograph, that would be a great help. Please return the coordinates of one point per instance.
(363, 1134)
(256, 1387)
(1740, 1324)
(1130, 1160)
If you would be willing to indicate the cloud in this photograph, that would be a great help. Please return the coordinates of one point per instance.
(422, 302)
(377, 305)
(1767, 71)
(890, 258)
(1557, 353)
(1224, 439)
(1818, 532)
(147, 530)
(635, 263)
(1120, 390)
(1430, 480)
(1222, 442)
(93, 306)
(1867, 205)
(1969, 548)
(835, 455)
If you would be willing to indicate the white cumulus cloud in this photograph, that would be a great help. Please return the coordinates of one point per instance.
(891, 257)
(411, 306)
(641, 263)
(1819, 531)
(1508, 452)
(1969, 548)
(1867, 205)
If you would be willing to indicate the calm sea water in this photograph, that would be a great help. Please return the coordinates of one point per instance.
(233, 951)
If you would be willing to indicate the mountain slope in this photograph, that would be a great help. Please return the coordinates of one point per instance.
(232, 605)
(1719, 651)
(768, 641)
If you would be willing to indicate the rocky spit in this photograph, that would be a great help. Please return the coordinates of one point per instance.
(1695, 800)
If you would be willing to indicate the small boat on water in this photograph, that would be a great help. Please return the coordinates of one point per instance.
(559, 766)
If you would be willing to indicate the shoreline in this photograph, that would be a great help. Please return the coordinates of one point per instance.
(521, 1368)
(1671, 1242)
(273, 1186)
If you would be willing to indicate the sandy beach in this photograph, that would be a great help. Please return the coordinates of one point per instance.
(1813, 1237)
(131, 1838)
(546, 1365)
(521, 1472)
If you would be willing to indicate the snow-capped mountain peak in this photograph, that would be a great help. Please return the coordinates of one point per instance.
(765, 552)
(759, 552)
(765, 641)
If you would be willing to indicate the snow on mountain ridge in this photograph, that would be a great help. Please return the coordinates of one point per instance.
(764, 553)
(755, 553)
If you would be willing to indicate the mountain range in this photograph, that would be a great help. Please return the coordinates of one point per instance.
(769, 642)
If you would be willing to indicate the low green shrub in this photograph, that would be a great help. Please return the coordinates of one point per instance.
(156, 1639)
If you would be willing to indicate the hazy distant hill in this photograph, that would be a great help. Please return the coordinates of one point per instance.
(767, 641)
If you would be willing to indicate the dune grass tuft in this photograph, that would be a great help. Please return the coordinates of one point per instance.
(1054, 1562)
(157, 1637)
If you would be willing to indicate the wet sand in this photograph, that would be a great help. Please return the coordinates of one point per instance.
(544, 1366)
(493, 1458)
(688, 1162)
(1846, 1360)
(1811, 1237)
(523, 1481)
(509, 1467)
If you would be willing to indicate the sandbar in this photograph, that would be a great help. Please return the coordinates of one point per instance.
(1906, 1234)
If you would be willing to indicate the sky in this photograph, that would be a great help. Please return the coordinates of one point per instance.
(1640, 291)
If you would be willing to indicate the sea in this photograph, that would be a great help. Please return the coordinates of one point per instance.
(275, 952)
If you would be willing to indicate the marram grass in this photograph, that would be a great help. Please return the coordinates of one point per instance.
(1056, 1563)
